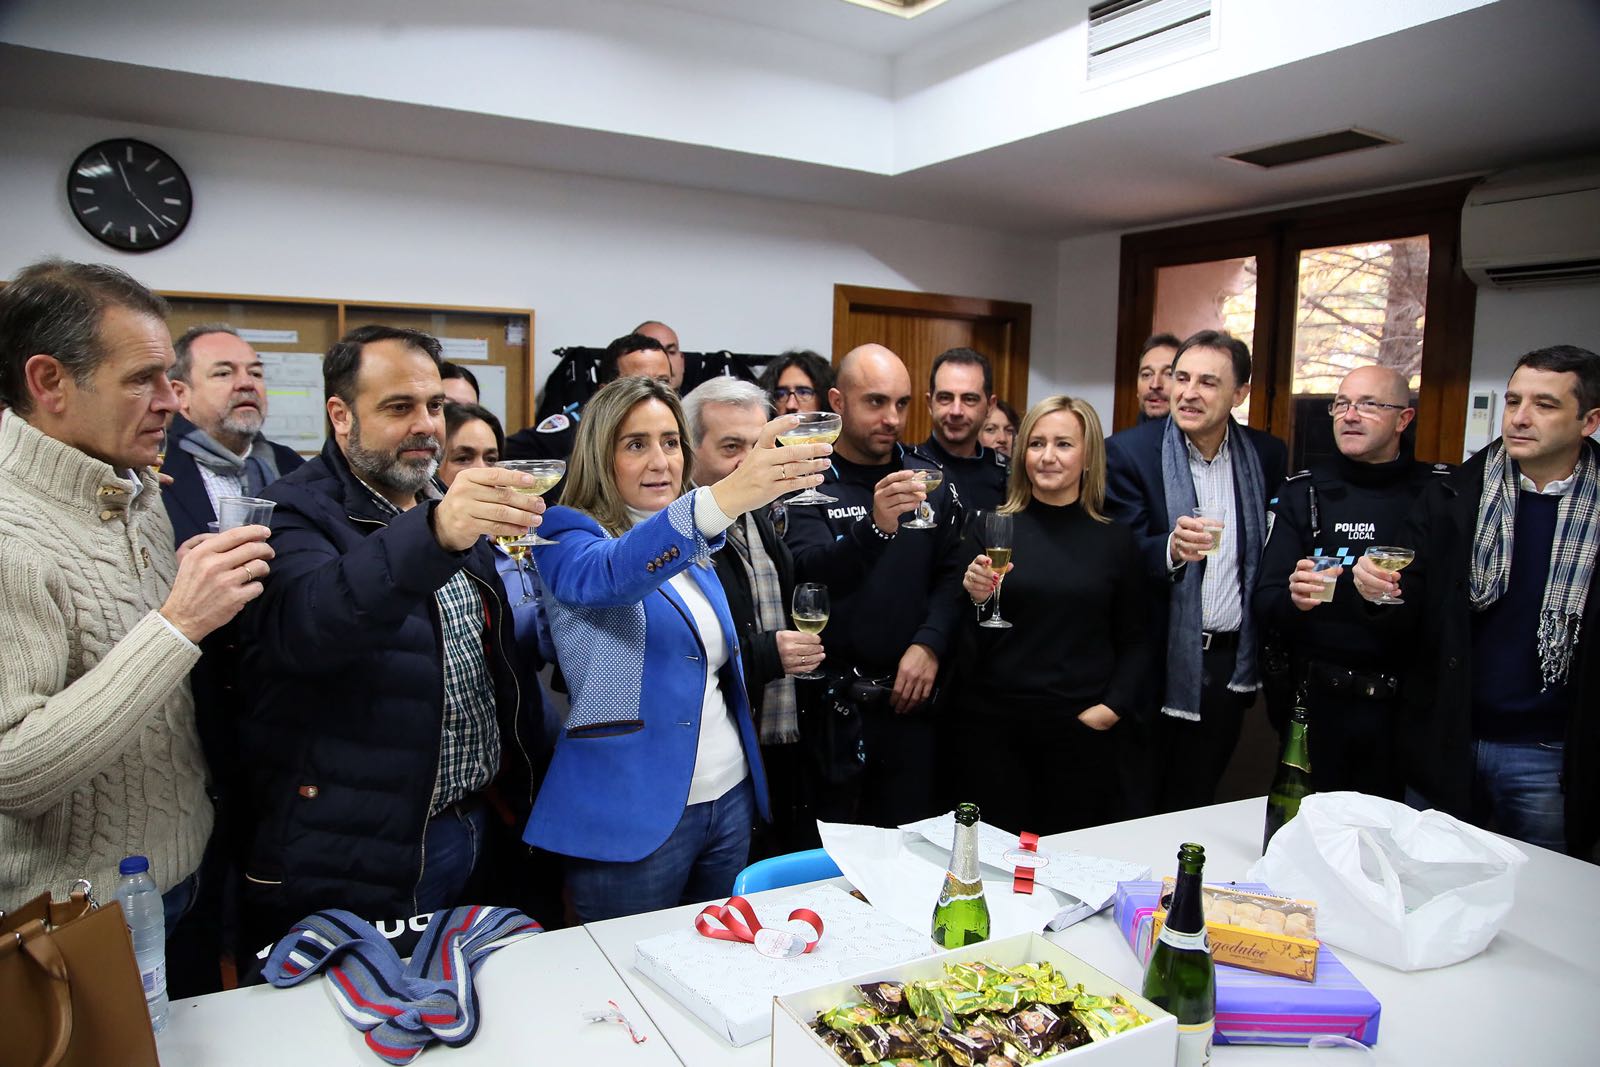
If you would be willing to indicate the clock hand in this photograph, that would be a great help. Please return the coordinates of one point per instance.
(147, 211)
(124, 176)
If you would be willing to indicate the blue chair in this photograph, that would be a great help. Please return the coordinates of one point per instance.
(791, 869)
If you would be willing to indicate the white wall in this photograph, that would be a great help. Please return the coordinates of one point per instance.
(1086, 332)
(591, 256)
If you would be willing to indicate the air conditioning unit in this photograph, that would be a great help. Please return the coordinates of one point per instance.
(1534, 226)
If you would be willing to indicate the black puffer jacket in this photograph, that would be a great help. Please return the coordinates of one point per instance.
(345, 696)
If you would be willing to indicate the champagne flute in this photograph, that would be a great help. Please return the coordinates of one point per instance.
(1391, 558)
(996, 531)
(815, 428)
(546, 473)
(930, 481)
(809, 607)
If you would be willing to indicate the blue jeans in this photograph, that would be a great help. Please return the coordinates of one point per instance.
(698, 861)
(1516, 791)
(452, 846)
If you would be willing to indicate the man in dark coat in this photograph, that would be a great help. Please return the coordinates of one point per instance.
(1503, 603)
(387, 740)
(1157, 475)
(215, 447)
(725, 416)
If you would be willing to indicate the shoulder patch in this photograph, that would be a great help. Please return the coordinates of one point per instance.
(554, 424)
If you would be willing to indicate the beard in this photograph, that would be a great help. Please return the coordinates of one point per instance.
(243, 422)
(387, 469)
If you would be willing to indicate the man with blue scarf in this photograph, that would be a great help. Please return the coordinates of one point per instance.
(1157, 473)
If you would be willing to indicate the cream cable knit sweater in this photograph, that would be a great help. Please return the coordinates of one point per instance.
(99, 758)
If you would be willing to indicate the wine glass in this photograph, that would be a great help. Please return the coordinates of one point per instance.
(996, 531)
(161, 452)
(930, 480)
(1390, 558)
(809, 607)
(815, 428)
(546, 473)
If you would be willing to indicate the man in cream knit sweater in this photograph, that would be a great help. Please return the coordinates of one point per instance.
(98, 621)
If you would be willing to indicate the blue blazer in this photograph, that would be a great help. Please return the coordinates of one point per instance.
(634, 662)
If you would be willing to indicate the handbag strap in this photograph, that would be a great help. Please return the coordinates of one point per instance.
(37, 944)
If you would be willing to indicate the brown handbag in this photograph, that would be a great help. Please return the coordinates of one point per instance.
(69, 987)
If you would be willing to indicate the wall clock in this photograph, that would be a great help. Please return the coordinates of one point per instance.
(129, 195)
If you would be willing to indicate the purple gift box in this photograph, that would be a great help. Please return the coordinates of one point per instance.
(1265, 1009)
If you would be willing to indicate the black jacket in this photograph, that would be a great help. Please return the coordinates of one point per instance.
(886, 594)
(1436, 623)
(980, 478)
(1357, 505)
(188, 505)
(758, 647)
(344, 676)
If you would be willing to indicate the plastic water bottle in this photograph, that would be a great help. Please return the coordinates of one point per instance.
(147, 924)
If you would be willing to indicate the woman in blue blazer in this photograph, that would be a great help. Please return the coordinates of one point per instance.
(656, 777)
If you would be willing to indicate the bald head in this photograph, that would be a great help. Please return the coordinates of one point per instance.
(871, 394)
(1372, 437)
(668, 337)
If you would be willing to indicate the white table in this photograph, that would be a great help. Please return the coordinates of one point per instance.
(533, 996)
(1527, 999)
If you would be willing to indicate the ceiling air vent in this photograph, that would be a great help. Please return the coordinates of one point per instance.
(1317, 147)
(1127, 35)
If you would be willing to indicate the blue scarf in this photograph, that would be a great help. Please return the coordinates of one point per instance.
(401, 1008)
(1184, 619)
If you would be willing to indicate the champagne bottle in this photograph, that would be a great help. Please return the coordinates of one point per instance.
(1181, 976)
(961, 917)
(1292, 783)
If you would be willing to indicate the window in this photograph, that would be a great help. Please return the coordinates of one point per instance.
(1316, 292)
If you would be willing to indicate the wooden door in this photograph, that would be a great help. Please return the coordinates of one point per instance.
(917, 327)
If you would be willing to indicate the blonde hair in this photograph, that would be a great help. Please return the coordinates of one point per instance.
(591, 472)
(1091, 483)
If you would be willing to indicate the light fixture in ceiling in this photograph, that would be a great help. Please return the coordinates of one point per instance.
(906, 9)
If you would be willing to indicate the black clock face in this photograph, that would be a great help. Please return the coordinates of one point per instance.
(129, 195)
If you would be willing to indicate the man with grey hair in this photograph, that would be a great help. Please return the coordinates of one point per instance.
(215, 447)
(1325, 640)
(725, 416)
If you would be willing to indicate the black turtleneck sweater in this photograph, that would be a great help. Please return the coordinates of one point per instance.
(1076, 599)
(1358, 505)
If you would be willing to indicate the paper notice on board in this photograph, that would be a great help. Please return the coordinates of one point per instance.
(270, 337)
(459, 348)
(492, 392)
(295, 409)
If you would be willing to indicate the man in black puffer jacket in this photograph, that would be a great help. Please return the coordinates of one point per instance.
(386, 742)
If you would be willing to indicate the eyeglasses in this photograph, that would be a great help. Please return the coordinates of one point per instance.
(804, 392)
(1367, 409)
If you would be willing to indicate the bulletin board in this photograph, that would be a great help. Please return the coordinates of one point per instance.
(292, 333)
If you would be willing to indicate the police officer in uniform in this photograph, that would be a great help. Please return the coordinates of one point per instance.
(894, 592)
(960, 392)
(1330, 652)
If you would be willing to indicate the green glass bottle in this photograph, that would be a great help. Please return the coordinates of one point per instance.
(1180, 976)
(961, 917)
(1292, 783)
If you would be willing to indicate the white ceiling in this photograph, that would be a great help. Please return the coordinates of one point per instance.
(846, 25)
(1492, 87)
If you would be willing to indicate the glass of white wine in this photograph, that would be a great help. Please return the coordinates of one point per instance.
(809, 608)
(930, 480)
(161, 452)
(546, 473)
(815, 428)
(996, 531)
(1391, 558)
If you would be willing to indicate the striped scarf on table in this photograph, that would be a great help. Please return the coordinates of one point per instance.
(402, 1008)
(1572, 557)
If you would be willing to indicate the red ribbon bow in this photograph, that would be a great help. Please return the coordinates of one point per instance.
(739, 923)
(1022, 877)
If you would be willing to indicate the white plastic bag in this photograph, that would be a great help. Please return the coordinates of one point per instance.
(1412, 889)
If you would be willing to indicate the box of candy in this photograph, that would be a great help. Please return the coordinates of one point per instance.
(1263, 1009)
(1257, 931)
(1004, 1003)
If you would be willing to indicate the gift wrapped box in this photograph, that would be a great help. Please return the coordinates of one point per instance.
(730, 986)
(1264, 1009)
